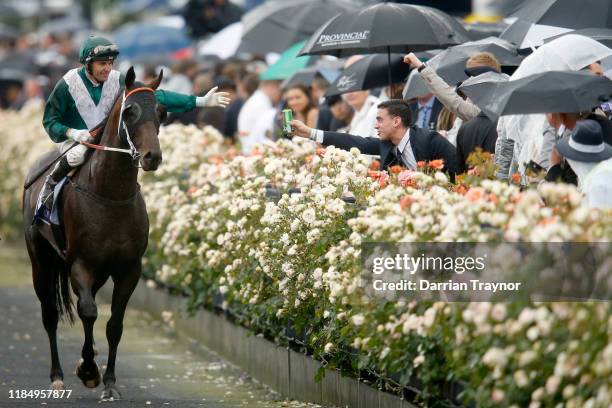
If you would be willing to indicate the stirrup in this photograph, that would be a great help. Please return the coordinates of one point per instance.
(46, 197)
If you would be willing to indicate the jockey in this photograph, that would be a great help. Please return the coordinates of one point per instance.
(84, 97)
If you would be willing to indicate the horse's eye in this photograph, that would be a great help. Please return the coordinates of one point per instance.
(132, 113)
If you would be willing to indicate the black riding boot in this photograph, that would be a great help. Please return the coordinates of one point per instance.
(60, 171)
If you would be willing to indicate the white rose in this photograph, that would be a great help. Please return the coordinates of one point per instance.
(441, 177)
(498, 395)
(309, 216)
(521, 378)
(527, 357)
(358, 319)
(552, 384)
(495, 357)
(418, 360)
(498, 313)
(537, 394)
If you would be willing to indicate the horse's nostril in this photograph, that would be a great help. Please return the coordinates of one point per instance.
(151, 160)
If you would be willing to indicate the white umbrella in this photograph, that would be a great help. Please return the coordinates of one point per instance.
(568, 53)
(529, 35)
(223, 44)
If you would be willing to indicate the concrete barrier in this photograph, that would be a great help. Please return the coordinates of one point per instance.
(286, 371)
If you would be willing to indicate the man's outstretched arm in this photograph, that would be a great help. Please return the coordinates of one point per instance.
(366, 145)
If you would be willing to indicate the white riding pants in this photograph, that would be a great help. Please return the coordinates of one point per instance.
(76, 155)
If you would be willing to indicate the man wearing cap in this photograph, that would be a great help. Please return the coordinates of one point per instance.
(83, 98)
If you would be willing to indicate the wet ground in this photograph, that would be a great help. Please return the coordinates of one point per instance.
(156, 367)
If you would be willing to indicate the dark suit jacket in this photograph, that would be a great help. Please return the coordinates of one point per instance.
(562, 173)
(426, 145)
(435, 112)
(476, 132)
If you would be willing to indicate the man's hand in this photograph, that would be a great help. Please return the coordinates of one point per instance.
(555, 157)
(213, 98)
(412, 60)
(299, 128)
(79, 135)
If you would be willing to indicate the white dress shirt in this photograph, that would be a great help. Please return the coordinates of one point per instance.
(254, 120)
(405, 149)
(364, 120)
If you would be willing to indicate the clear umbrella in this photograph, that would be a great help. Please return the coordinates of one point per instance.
(568, 53)
(224, 43)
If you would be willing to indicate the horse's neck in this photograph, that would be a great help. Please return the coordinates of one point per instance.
(111, 175)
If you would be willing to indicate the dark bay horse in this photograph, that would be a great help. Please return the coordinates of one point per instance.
(106, 231)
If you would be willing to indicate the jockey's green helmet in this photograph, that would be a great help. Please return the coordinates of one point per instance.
(98, 49)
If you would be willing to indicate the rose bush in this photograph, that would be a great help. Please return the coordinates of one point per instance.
(275, 237)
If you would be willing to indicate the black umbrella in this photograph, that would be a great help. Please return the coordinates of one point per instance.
(369, 73)
(12, 75)
(386, 28)
(450, 63)
(552, 91)
(275, 25)
(19, 61)
(603, 35)
(307, 75)
(479, 30)
(566, 13)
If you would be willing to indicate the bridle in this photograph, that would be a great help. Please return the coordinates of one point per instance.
(132, 151)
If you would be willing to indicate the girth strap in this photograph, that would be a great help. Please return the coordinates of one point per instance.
(104, 200)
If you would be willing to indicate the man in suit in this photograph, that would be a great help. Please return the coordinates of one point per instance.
(426, 110)
(400, 141)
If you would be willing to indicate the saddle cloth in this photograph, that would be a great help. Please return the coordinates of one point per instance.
(50, 221)
(42, 213)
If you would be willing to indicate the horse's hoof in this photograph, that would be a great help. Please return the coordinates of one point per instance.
(90, 378)
(110, 394)
(57, 385)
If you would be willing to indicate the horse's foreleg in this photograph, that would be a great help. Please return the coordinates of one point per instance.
(82, 280)
(124, 285)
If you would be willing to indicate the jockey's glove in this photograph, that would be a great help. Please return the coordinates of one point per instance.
(213, 98)
(79, 135)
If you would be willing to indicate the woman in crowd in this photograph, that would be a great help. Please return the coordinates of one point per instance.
(299, 100)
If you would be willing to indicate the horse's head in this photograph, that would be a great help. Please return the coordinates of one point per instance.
(140, 120)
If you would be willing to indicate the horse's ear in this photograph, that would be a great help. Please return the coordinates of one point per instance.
(130, 77)
(156, 82)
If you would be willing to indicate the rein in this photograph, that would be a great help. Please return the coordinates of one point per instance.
(132, 150)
